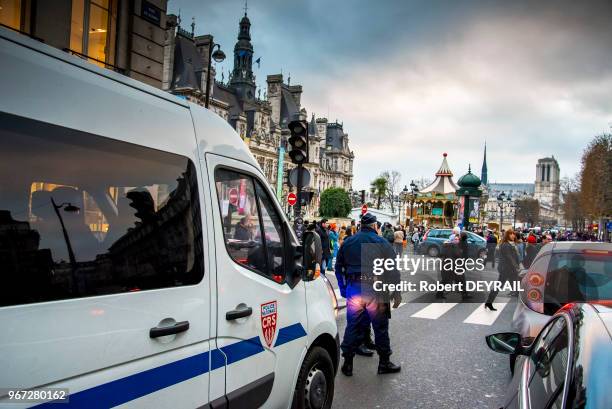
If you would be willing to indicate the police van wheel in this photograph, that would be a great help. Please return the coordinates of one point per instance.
(433, 251)
(315, 385)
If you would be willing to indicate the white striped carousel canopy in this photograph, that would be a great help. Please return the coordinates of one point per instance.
(444, 182)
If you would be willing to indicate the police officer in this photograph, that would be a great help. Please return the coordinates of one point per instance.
(364, 305)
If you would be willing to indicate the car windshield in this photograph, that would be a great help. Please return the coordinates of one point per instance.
(579, 277)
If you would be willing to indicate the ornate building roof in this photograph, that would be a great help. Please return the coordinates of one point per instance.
(444, 183)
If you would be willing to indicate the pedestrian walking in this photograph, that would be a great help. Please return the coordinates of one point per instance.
(416, 239)
(365, 305)
(491, 247)
(398, 241)
(508, 266)
(325, 243)
(531, 250)
(462, 252)
(333, 239)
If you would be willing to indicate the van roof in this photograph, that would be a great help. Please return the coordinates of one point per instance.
(37, 99)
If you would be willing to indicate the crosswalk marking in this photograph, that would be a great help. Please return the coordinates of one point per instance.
(434, 311)
(482, 316)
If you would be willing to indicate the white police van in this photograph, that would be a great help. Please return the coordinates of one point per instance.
(144, 260)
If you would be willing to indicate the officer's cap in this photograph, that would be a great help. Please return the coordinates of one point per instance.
(368, 218)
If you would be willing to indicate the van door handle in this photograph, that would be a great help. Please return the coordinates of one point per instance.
(238, 313)
(173, 329)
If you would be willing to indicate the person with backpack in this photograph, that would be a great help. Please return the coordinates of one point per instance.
(388, 233)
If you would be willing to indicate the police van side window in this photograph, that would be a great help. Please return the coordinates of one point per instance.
(251, 226)
(82, 215)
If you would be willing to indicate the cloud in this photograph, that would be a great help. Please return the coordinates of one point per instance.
(413, 79)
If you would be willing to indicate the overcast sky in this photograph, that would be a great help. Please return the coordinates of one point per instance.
(413, 79)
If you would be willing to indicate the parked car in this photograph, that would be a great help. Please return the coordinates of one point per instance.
(562, 272)
(568, 363)
(433, 241)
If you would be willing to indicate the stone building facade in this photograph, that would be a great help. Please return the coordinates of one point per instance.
(546, 189)
(123, 35)
(547, 182)
(260, 121)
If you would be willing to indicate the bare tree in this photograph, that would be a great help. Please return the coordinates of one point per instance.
(570, 184)
(570, 196)
(527, 210)
(393, 179)
(422, 182)
(573, 210)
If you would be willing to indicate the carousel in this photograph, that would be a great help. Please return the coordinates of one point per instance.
(436, 204)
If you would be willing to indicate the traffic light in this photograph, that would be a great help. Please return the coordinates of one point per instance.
(298, 142)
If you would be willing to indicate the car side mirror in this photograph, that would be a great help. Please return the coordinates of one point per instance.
(504, 342)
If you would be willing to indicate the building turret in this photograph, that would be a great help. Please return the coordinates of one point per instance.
(243, 80)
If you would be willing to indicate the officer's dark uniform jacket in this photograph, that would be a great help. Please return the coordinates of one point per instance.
(354, 263)
(356, 279)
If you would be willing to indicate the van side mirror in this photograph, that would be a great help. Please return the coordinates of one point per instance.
(505, 342)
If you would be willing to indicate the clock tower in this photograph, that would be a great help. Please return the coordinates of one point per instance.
(243, 80)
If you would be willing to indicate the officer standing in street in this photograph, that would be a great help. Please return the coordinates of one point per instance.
(364, 305)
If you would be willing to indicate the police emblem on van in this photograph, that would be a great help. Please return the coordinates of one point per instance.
(268, 321)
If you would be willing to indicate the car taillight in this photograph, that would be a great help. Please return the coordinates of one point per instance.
(534, 295)
(425, 236)
(535, 279)
(533, 289)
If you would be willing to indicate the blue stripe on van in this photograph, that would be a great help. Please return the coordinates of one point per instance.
(132, 387)
(135, 386)
(290, 333)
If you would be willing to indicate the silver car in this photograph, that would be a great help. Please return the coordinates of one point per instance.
(561, 273)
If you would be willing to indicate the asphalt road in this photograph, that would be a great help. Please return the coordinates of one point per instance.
(445, 361)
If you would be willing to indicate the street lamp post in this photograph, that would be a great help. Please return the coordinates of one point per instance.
(403, 202)
(218, 56)
(68, 207)
(502, 202)
(413, 191)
